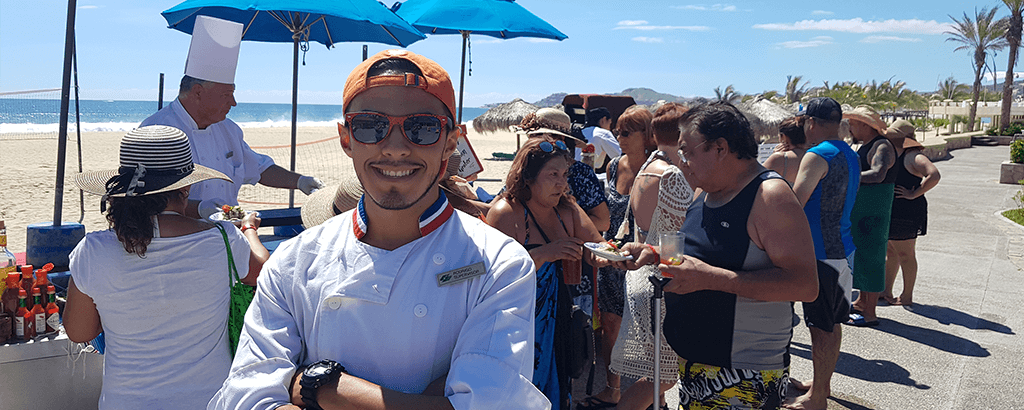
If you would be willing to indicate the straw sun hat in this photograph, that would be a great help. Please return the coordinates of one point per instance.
(554, 121)
(869, 116)
(153, 159)
(904, 130)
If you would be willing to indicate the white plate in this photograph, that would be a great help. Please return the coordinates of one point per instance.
(219, 216)
(614, 257)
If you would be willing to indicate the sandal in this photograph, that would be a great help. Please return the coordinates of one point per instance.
(859, 321)
(594, 403)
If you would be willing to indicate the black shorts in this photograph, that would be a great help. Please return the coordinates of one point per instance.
(831, 307)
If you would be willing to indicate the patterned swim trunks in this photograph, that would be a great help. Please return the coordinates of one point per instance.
(711, 387)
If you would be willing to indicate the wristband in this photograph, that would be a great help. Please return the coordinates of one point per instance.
(656, 255)
(247, 227)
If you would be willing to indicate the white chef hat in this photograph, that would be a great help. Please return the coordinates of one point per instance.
(213, 54)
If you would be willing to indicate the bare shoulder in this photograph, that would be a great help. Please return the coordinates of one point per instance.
(500, 214)
(775, 192)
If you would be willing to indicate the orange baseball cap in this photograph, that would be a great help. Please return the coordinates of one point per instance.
(434, 80)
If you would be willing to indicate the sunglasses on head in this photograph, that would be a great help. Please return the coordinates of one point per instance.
(372, 127)
(549, 147)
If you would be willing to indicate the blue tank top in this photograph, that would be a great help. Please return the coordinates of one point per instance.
(828, 210)
(723, 329)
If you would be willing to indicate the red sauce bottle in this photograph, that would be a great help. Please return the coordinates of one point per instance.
(52, 311)
(27, 281)
(24, 328)
(42, 280)
(38, 312)
(9, 299)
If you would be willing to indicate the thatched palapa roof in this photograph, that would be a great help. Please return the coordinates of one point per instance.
(764, 116)
(503, 116)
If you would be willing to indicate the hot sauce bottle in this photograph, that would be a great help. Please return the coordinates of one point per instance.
(42, 280)
(23, 323)
(27, 281)
(10, 295)
(52, 311)
(38, 312)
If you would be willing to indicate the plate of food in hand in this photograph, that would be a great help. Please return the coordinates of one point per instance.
(608, 250)
(230, 213)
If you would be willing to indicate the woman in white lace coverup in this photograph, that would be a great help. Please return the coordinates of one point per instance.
(658, 200)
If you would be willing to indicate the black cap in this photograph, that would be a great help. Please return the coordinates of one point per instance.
(824, 108)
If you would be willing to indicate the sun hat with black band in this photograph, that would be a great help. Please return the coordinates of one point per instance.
(553, 121)
(331, 201)
(153, 159)
(903, 131)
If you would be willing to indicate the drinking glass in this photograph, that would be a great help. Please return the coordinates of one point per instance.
(672, 244)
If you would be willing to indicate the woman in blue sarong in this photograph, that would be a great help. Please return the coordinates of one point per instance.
(538, 212)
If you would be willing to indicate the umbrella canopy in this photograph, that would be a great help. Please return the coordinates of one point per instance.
(295, 21)
(496, 18)
(764, 115)
(325, 22)
(503, 116)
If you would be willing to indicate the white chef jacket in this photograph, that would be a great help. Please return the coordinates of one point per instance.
(382, 314)
(605, 144)
(220, 146)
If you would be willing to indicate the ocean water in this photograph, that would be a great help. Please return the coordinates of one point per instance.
(27, 115)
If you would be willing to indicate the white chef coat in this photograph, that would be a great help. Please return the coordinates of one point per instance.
(221, 147)
(327, 295)
(605, 144)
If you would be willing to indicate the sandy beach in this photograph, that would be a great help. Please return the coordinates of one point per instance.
(28, 172)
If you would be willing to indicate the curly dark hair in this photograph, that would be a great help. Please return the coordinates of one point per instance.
(525, 167)
(131, 218)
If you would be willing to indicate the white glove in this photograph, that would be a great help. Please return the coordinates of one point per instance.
(210, 206)
(309, 185)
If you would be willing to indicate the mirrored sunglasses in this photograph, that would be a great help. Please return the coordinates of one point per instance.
(549, 147)
(372, 127)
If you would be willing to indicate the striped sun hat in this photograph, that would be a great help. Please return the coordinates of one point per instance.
(153, 159)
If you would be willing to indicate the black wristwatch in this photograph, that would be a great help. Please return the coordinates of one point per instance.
(316, 375)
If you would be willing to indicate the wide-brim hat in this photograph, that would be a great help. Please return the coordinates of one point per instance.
(331, 201)
(904, 130)
(553, 121)
(153, 159)
(869, 116)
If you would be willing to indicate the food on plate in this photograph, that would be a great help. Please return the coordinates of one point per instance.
(232, 212)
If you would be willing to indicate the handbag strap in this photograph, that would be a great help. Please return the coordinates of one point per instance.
(231, 259)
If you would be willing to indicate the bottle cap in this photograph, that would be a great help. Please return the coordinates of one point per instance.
(14, 276)
(50, 289)
(22, 294)
(36, 291)
(26, 270)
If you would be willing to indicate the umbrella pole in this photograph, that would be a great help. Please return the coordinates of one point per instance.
(462, 73)
(65, 102)
(295, 103)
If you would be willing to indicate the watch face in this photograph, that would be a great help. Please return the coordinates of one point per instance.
(317, 370)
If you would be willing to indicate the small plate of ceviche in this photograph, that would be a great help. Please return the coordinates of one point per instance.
(607, 250)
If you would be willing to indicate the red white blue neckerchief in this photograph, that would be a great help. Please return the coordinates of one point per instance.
(435, 216)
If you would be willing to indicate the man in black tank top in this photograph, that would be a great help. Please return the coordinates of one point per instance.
(748, 255)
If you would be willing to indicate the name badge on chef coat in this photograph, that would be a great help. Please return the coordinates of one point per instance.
(461, 274)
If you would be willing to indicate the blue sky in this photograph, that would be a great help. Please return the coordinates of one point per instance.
(680, 47)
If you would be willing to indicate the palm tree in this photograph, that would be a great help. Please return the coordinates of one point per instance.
(980, 36)
(729, 95)
(950, 89)
(794, 90)
(1013, 37)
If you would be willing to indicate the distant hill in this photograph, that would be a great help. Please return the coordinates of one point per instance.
(551, 100)
(645, 96)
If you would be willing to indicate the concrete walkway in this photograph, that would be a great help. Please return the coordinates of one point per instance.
(959, 347)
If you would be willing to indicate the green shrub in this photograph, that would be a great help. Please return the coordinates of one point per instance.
(1017, 151)
(1010, 130)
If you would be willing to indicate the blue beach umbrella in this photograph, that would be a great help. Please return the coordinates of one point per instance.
(300, 21)
(502, 19)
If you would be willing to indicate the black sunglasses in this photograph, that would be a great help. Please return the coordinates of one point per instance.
(372, 127)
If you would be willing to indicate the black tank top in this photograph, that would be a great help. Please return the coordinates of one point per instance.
(865, 162)
(904, 178)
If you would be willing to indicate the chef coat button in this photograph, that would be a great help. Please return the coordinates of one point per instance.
(334, 302)
(420, 310)
(438, 259)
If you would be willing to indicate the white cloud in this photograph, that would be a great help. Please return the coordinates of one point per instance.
(649, 39)
(541, 40)
(644, 26)
(88, 7)
(701, 7)
(881, 39)
(858, 25)
(822, 13)
(814, 42)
